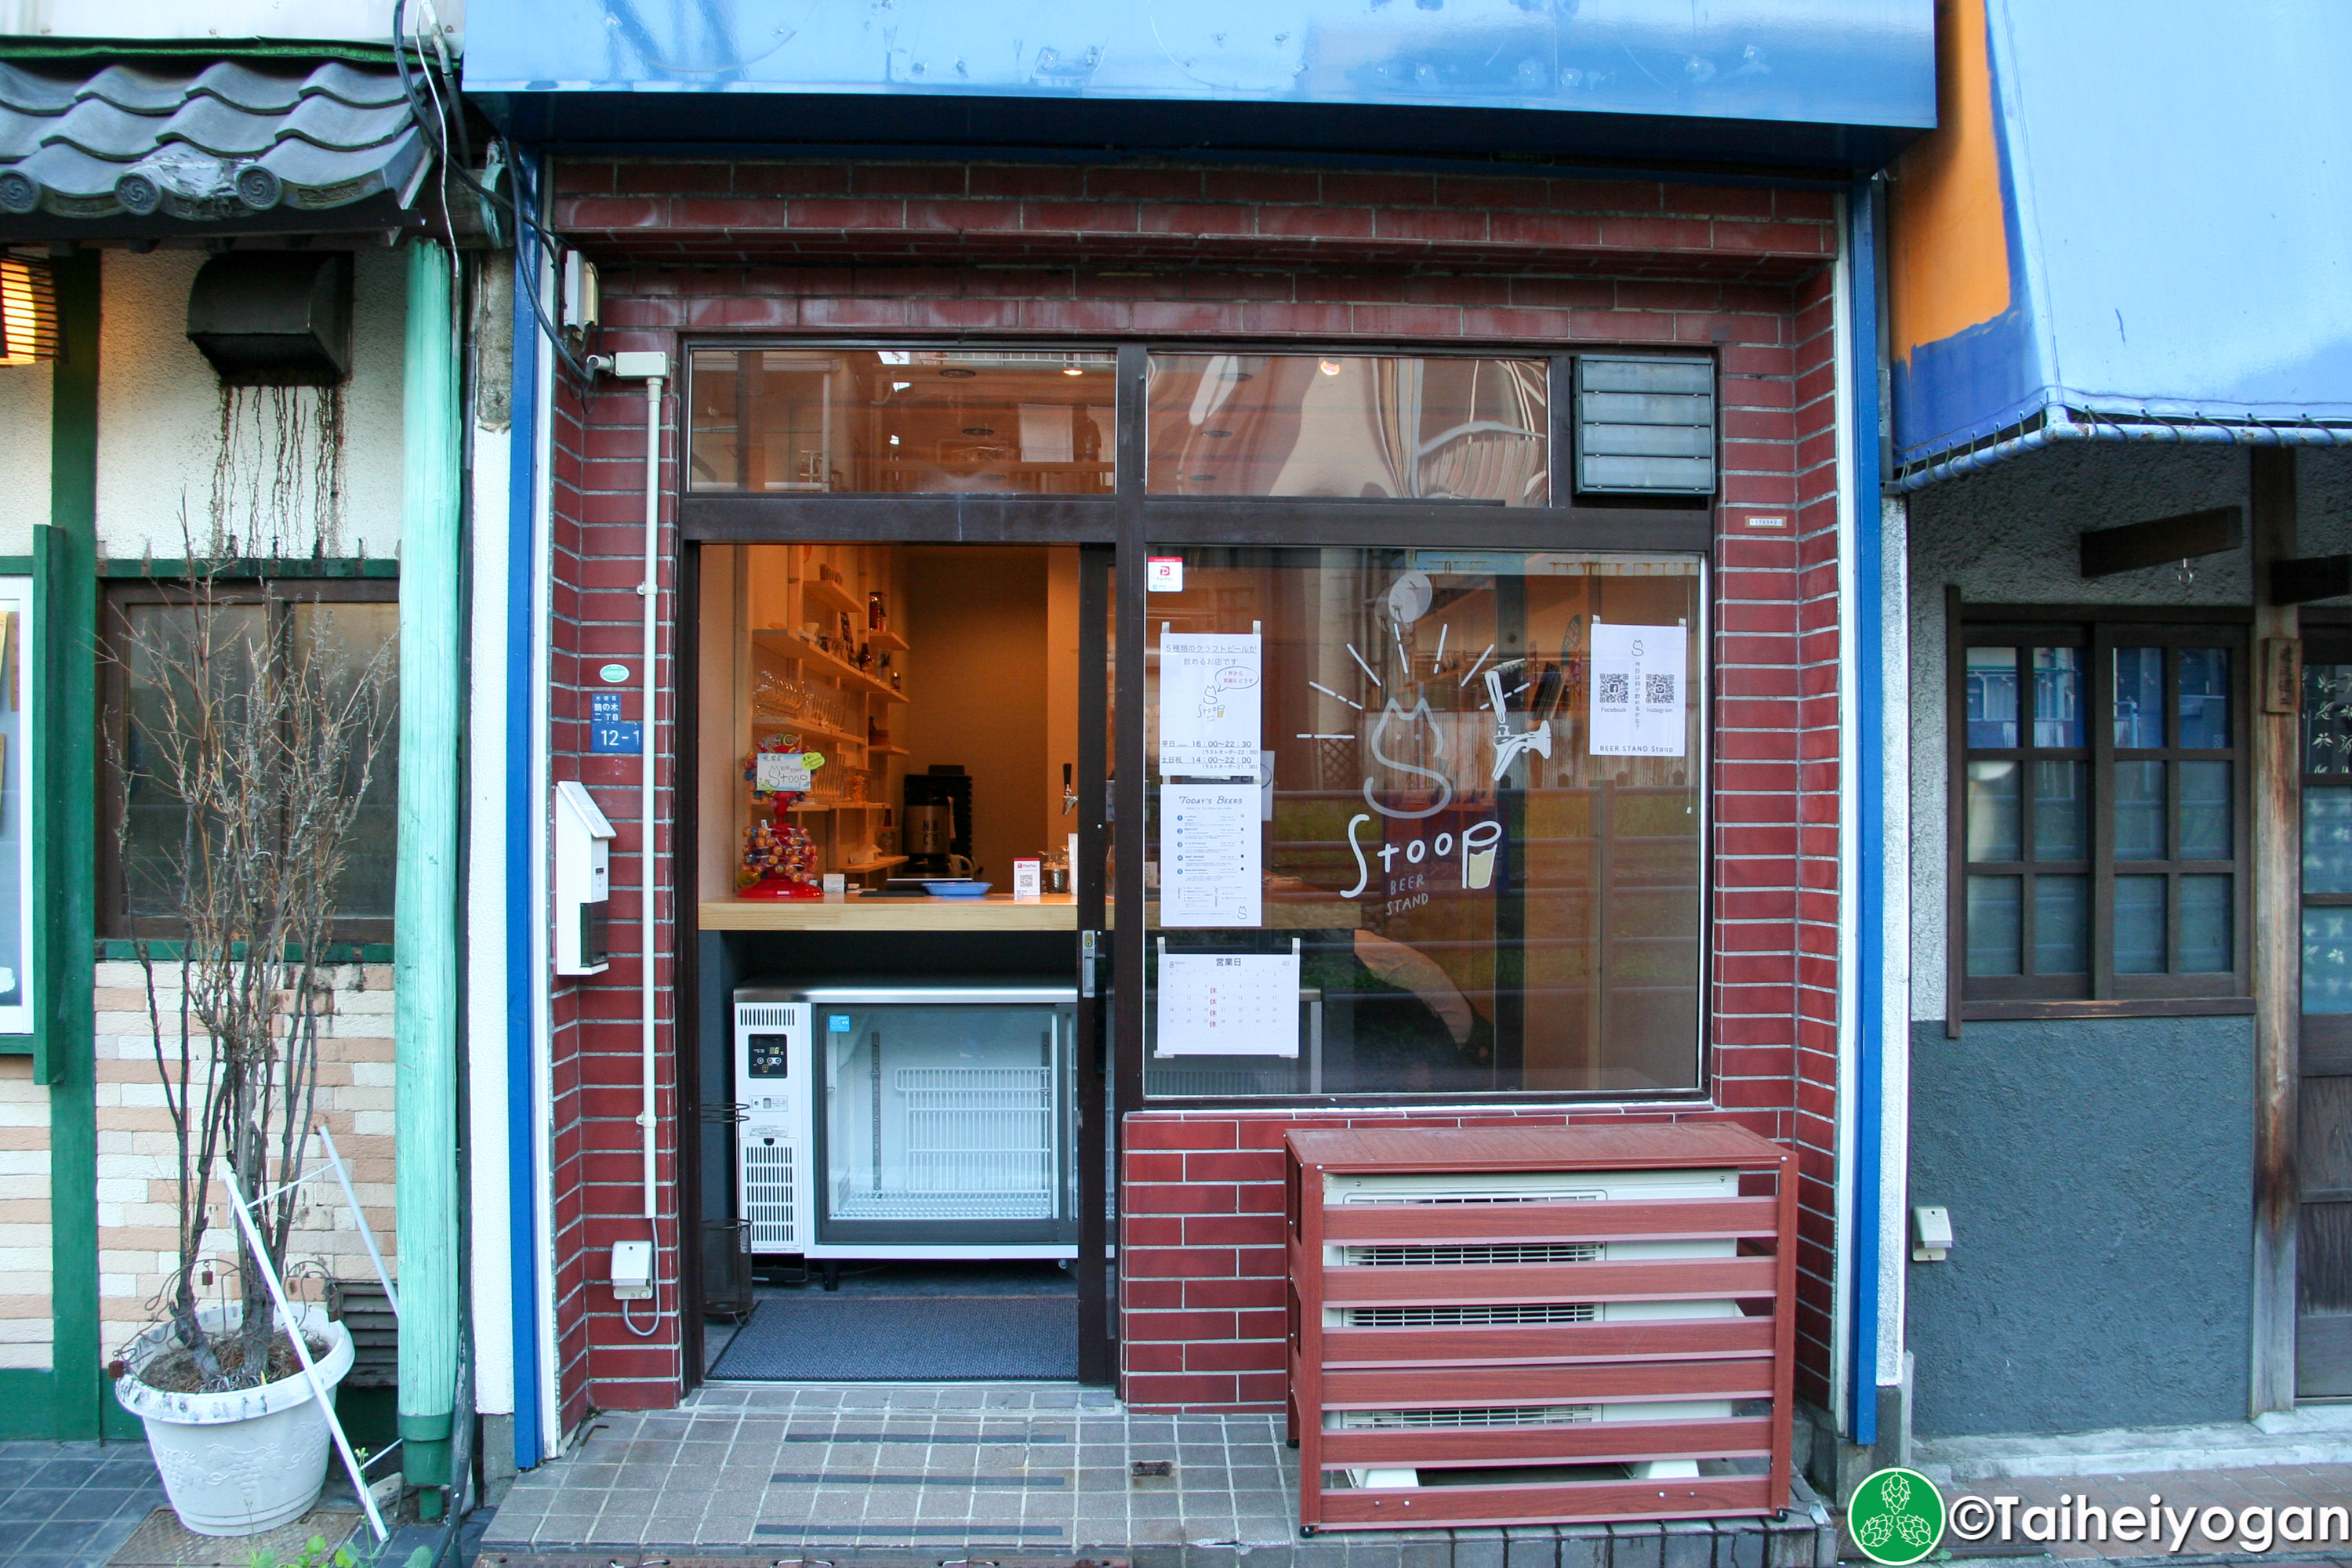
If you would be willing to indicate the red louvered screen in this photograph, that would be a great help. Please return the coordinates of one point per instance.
(1496, 1326)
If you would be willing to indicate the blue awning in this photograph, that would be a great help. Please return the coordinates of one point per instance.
(2136, 222)
(1835, 82)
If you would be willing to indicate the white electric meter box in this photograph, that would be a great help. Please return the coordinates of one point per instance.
(583, 880)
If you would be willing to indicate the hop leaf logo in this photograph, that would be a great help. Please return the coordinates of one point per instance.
(1896, 1517)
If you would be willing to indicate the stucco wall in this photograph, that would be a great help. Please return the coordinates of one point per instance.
(137, 1190)
(162, 414)
(2008, 535)
(25, 1329)
(24, 455)
(2100, 1178)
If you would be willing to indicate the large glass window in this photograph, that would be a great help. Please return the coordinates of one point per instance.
(1352, 427)
(335, 627)
(2098, 820)
(902, 422)
(1424, 822)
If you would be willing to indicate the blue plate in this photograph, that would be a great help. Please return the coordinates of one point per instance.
(963, 888)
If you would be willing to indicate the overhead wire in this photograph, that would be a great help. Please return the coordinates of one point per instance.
(435, 124)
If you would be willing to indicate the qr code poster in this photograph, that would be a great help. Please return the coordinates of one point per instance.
(1640, 676)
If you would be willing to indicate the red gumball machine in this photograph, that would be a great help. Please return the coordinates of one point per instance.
(779, 858)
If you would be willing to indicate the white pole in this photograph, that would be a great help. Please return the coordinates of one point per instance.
(367, 1233)
(302, 1351)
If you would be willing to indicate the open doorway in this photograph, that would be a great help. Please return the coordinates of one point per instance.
(894, 1049)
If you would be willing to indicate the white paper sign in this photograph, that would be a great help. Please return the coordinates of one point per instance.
(1164, 575)
(1639, 684)
(781, 770)
(1209, 705)
(1228, 1004)
(1209, 856)
(1028, 881)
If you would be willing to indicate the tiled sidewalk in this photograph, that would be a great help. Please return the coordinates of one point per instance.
(70, 1505)
(2189, 1491)
(1042, 1468)
(912, 1475)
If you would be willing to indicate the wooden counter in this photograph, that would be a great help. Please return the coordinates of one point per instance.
(1054, 911)
(998, 911)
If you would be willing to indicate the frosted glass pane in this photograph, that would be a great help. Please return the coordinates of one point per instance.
(2204, 925)
(2061, 925)
(2139, 811)
(2062, 829)
(2327, 840)
(1995, 927)
(1994, 811)
(2205, 833)
(2139, 925)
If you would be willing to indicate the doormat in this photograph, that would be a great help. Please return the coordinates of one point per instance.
(824, 1337)
(162, 1541)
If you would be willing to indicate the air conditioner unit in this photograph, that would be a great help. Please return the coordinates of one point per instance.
(771, 1164)
(1523, 1187)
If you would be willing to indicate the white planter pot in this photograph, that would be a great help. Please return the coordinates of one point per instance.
(238, 1464)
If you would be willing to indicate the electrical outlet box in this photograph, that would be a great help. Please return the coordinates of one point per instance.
(641, 365)
(633, 1270)
(1931, 1233)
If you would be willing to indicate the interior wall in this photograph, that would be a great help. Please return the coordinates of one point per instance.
(976, 688)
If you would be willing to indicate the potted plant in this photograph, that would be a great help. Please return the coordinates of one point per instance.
(246, 746)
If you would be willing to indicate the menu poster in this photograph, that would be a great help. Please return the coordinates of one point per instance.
(1209, 686)
(1228, 1004)
(1210, 855)
(1639, 681)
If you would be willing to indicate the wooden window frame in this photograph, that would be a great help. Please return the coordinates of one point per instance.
(2100, 992)
(280, 595)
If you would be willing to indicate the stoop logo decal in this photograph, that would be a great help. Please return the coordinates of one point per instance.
(1896, 1517)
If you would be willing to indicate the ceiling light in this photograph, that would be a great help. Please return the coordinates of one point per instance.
(959, 373)
(1074, 370)
(1329, 366)
(978, 430)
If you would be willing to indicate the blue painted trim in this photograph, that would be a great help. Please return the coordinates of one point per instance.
(1870, 806)
(523, 975)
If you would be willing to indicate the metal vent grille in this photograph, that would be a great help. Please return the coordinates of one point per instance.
(1473, 1416)
(748, 1016)
(1408, 1195)
(1409, 1257)
(1645, 426)
(1470, 1315)
(768, 1194)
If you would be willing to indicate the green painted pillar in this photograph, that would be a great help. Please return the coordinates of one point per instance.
(64, 855)
(425, 910)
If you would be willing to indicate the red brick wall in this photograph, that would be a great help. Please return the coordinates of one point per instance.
(820, 248)
(596, 1077)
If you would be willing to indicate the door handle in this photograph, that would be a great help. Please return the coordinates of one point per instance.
(1086, 948)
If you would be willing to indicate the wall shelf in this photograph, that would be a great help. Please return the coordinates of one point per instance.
(830, 595)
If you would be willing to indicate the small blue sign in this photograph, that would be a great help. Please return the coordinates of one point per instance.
(604, 707)
(624, 738)
(836, 1023)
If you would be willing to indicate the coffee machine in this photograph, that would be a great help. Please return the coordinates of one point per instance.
(937, 823)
